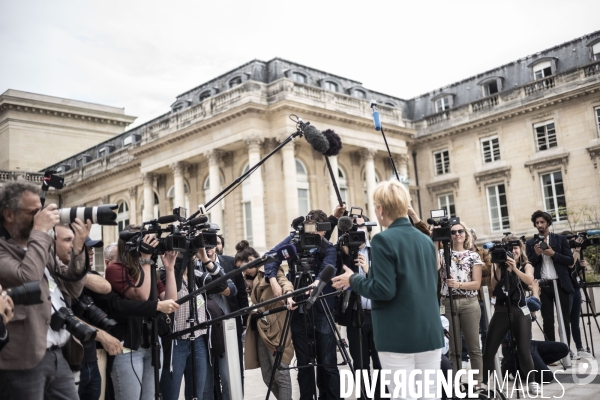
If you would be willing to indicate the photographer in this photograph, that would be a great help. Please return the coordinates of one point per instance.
(362, 265)
(329, 384)
(401, 284)
(551, 258)
(519, 274)
(32, 363)
(132, 373)
(7, 309)
(264, 334)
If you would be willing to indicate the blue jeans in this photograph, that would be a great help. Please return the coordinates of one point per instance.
(209, 386)
(129, 382)
(181, 365)
(329, 375)
(90, 382)
(575, 315)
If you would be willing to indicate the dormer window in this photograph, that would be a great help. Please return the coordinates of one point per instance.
(442, 104)
(490, 88)
(542, 70)
(596, 52)
(204, 95)
(331, 86)
(359, 94)
(389, 104)
(101, 152)
(235, 82)
(300, 78)
(82, 160)
(127, 140)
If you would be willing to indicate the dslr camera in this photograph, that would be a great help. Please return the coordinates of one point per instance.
(84, 308)
(539, 239)
(443, 224)
(64, 318)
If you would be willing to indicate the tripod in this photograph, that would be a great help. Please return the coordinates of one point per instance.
(447, 263)
(589, 309)
(303, 278)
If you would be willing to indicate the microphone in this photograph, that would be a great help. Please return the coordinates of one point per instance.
(126, 236)
(593, 232)
(345, 224)
(489, 245)
(314, 137)
(326, 276)
(196, 221)
(297, 222)
(167, 219)
(335, 142)
(376, 119)
(287, 252)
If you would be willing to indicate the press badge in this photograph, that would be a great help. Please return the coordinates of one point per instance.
(442, 310)
(525, 310)
(199, 301)
(51, 286)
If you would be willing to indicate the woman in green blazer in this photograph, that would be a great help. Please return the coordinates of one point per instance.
(401, 284)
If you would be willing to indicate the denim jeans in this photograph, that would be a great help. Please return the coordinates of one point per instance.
(209, 386)
(329, 382)
(181, 363)
(90, 382)
(129, 381)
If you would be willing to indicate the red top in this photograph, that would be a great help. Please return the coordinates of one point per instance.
(115, 274)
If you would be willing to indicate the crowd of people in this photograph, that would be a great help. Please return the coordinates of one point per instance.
(397, 276)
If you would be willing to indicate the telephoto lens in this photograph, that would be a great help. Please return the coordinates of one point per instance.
(27, 294)
(84, 308)
(64, 318)
(101, 215)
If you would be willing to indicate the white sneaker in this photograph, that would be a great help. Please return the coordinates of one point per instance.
(465, 365)
(574, 356)
(534, 389)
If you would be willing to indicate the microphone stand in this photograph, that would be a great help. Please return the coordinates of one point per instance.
(375, 110)
(333, 181)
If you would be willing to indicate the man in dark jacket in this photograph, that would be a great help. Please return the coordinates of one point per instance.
(551, 261)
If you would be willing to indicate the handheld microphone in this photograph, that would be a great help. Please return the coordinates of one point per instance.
(196, 221)
(287, 252)
(345, 224)
(325, 278)
(376, 119)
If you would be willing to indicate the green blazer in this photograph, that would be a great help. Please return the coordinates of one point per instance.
(402, 285)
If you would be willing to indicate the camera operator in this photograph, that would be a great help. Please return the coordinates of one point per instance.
(519, 274)
(131, 373)
(551, 259)
(362, 264)
(7, 309)
(576, 275)
(32, 363)
(329, 384)
(401, 284)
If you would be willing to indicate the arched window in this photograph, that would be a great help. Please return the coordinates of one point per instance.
(122, 216)
(303, 188)
(235, 82)
(298, 77)
(204, 95)
(343, 185)
(220, 206)
(247, 207)
(186, 200)
(156, 206)
(359, 94)
(364, 178)
(331, 86)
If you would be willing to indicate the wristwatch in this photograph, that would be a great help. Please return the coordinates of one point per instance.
(147, 261)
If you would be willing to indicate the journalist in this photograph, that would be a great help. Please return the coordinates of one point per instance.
(7, 309)
(552, 262)
(519, 274)
(303, 320)
(401, 284)
(35, 362)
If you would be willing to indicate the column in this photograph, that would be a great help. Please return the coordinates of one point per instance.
(368, 155)
(148, 213)
(214, 176)
(179, 185)
(133, 205)
(290, 186)
(258, 207)
(333, 200)
(401, 161)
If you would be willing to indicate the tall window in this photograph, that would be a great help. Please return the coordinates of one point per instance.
(442, 162)
(303, 188)
(490, 148)
(442, 104)
(156, 207)
(554, 195)
(298, 77)
(542, 70)
(497, 206)
(331, 86)
(220, 206)
(598, 119)
(342, 185)
(186, 200)
(247, 207)
(446, 202)
(122, 216)
(545, 135)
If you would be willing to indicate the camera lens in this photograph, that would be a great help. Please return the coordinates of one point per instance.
(102, 215)
(27, 294)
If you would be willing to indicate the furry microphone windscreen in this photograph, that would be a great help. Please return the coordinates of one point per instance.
(345, 224)
(316, 139)
(335, 142)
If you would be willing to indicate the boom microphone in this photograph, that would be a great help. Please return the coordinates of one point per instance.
(593, 232)
(325, 278)
(313, 136)
(167, 219)
(376, 119)
(335, 142)
(345, 224)
(196, 221)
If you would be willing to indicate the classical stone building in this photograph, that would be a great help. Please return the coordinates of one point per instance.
(490, 149)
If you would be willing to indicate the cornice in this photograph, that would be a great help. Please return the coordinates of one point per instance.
(444, 185)
(561, 159)
(98, 177)
(594, 154)
(493, 174)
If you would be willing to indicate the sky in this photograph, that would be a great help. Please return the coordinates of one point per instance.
(140, 55)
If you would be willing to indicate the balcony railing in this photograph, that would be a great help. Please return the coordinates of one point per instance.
(592, 69)
(7, 176)
(484, 104)
(437, 118)
(539, 85)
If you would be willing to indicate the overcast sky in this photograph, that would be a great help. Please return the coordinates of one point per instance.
(141, 54)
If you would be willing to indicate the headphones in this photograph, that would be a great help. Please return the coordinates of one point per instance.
(542, 214)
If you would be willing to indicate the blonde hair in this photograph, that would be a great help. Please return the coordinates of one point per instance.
(468, 244)
(393, 198)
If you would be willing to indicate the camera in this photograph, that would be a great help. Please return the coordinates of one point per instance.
(307, 241)
(64, 318)
(84, 308)
(101, 215)
(539, 239)
(350, 236)
(501, 252)
(587, 241)
(443, 223)
(545, 282)
(27, 294)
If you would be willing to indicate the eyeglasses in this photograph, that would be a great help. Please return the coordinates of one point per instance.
(458, 232)
(30, 212)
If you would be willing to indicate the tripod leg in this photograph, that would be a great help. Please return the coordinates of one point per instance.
(279, 351)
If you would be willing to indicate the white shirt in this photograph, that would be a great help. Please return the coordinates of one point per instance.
(548, 270)
(54, 338)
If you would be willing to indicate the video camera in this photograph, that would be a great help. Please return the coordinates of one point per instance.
(587, 241)
(443, 224)
(349, 234)
(500, 252)
(303, 238)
